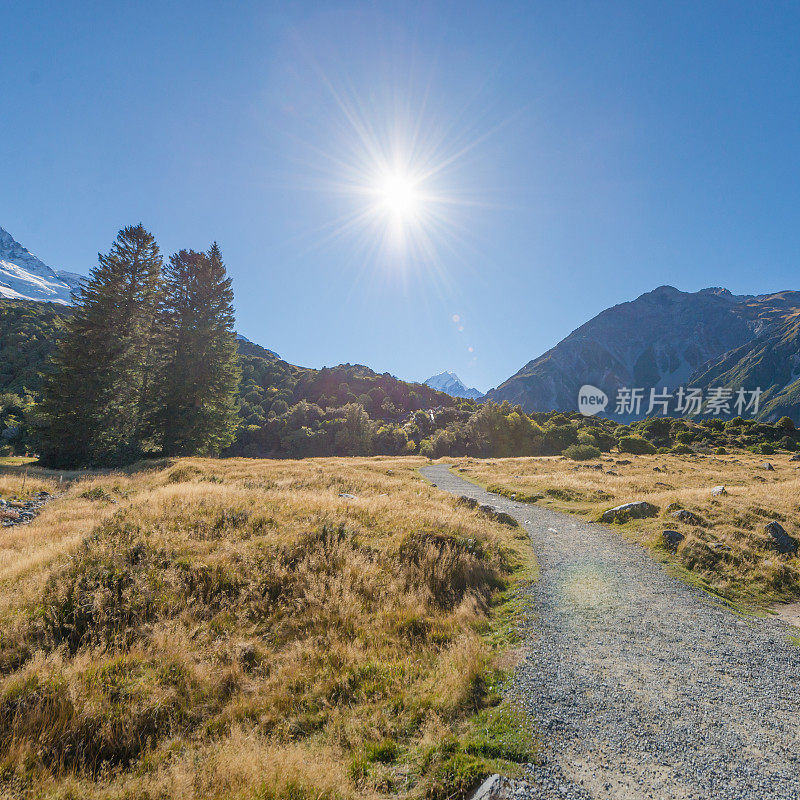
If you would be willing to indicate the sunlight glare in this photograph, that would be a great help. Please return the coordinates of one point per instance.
(400, 197)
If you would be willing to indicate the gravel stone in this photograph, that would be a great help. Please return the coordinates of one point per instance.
(641, 686)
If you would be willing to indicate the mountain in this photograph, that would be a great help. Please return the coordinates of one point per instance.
(666, 339)
(25, 277)
(248, 348)
(450, 383)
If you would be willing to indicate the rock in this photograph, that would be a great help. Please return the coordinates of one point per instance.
(490, 511)
(672, 539)
(611, 472)
(499, 787)
(718, 490)
(673, 507)
(636, 510)
(347, 496)
(623, 462)
(795, 457)
(689, 517)
(499, 516)
(768, 467)
(781, 540)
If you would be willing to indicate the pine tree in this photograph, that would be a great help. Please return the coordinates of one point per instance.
(101, 375)
(201, 372)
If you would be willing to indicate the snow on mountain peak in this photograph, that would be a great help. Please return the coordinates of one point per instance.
(450, 383)
(25, 277)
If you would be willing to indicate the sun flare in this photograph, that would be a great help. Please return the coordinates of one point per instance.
(400, 197)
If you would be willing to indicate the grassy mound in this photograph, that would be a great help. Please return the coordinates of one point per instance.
(241, 629)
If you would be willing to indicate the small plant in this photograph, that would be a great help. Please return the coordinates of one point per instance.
(582, 452)
(384, 752)
(636, 445)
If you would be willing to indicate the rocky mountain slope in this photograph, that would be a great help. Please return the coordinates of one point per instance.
(24, 277)
(450, 383)
(666, 339)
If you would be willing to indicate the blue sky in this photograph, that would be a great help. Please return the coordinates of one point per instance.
(583, 153)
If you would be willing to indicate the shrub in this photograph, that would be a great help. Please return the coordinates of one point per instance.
(636, 445)
(682, 449)
(582, 452)
(721, 451)
(786, 423)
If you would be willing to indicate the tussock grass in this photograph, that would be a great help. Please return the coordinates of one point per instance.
(238, 629)
(728, 553)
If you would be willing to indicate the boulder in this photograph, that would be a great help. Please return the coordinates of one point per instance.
(499, 787)
(781, 540)
(347, 496)
(718, 490)
(470, 502)
(795, 457)
(672, 539)
(767, 466)
(673, 507)
(635, 510)
(689, 517)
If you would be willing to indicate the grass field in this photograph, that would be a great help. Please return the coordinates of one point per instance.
(239, 629)
(728, 552)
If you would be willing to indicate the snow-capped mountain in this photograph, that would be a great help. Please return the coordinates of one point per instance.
(25, 277)
(450, 383)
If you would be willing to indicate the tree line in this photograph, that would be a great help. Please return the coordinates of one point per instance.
(148, 361)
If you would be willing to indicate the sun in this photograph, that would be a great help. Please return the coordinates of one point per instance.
(400, 197)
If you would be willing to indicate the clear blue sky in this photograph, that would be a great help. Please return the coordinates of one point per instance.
(589, 152)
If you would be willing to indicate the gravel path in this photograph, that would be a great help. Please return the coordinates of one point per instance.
(642, 686)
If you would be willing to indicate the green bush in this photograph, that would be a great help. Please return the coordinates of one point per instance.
(582, 452)
(682, 449)
(636, 445)
(786, 423)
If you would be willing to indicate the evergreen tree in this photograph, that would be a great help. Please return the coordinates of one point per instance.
(200, 375)
(101, 373)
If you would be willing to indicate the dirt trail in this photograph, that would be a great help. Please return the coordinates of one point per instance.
(644, 687)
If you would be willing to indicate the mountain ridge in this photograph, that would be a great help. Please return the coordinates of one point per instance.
(665, 339)
(23, 276)
(450, 383)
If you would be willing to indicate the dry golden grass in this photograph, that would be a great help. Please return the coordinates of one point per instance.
(237, 629)
(729, 551)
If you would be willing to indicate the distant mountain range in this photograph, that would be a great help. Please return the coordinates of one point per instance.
(666, 339)
(450, 383)
(24, 277)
